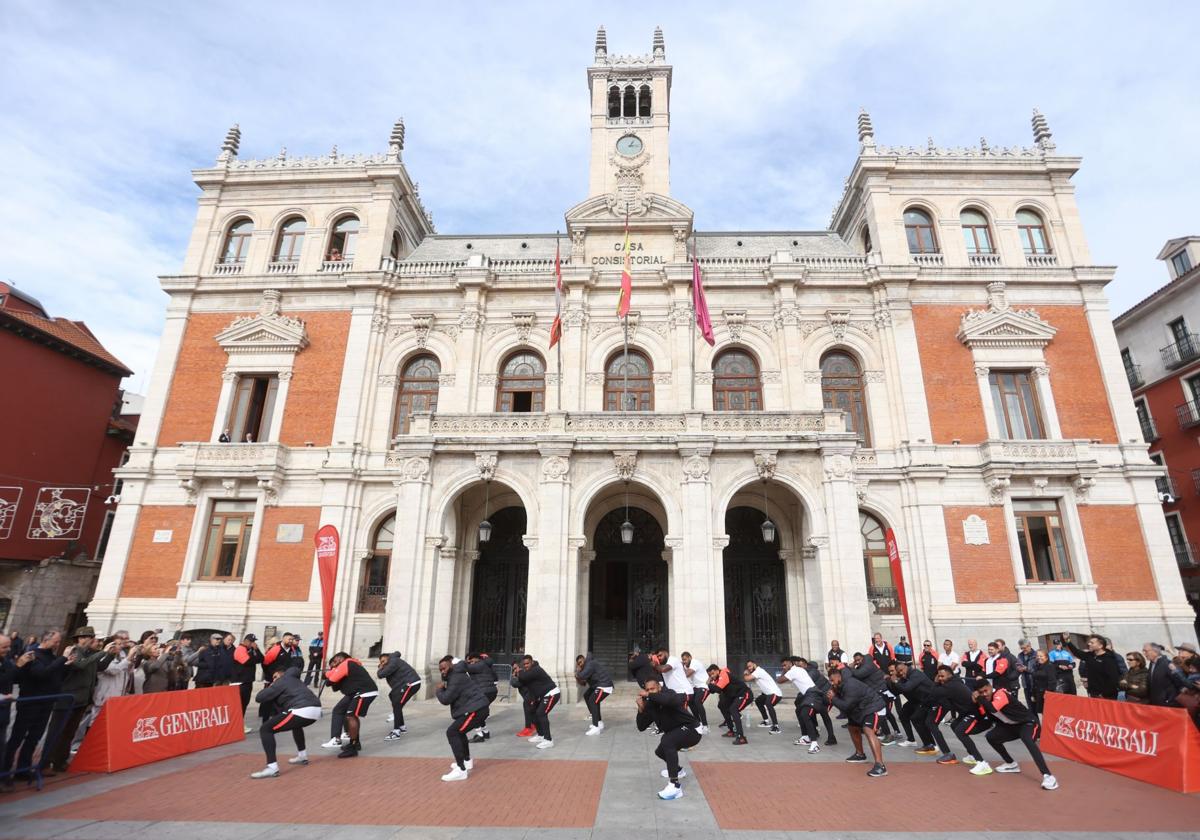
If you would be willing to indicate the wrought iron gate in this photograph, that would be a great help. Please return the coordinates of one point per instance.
(755, 592)
(498, 601)
(646, 602)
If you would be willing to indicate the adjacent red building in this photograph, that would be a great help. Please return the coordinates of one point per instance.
(1160, 346)
(64, 431)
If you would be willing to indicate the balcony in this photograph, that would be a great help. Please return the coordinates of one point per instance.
(984, 260)
(1186, 555)
(1188, 414)
(337, 266)
(929, 260)
(1149, 431)
(282, 267)
(372, 599)
(1134, 374)
(1041, 260)
(885, 599)
(1180, 352)
(234, 267)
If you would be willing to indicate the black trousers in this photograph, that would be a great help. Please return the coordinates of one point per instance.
(696, 703)
(731, 710)
(286, 722)
(592, 698)
(1026, 733)
(527, 704)
(313, 674)
(400, 695)
(65, 722)
(766, 706)
(349, 705)
(806, 716)
(887, 720)
(541, 714)
(669, 746)
(27, 730)
(456, 734)
(965, 727)
(914, 714)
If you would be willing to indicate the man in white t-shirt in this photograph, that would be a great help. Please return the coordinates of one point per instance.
(769, 694)
(806, 698)
(949, 658)
(698, 677)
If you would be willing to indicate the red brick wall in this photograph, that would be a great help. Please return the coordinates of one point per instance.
(312, 393)
(283, 571)
(951, 388)
(982, 573)
(154, 568)
(1079, 394)
(1117, 552)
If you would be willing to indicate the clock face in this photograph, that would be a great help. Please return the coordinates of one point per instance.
(629, 145)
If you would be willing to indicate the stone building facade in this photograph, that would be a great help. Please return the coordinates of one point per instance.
(939, 362)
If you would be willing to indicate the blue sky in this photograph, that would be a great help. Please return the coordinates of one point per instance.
(106, 107)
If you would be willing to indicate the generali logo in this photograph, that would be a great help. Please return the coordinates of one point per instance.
(1110, 735)
(179, 723)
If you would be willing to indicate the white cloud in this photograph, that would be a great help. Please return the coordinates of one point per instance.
(107, 108)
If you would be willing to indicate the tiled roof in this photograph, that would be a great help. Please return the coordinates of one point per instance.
(72, 333)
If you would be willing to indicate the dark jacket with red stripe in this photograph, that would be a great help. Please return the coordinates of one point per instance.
(667, 710)
(460, 692)
(288, 692)
(397, 672)
(351, 678)
(916, 686)
(953, 696)
(484, 676)
(857, 699)
(1004, 672)
(245, 663)
(1005, 708)
(535, 681)
(728, 686)
(881, 658)
(972, 663)
(594, 674)
(929, 663)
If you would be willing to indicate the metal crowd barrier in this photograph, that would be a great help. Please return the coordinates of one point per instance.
(503, 674)
(51, 738)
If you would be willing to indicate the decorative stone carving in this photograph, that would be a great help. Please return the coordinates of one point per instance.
(387, 380)
(575, 316)
(446, 380)
(470, 319)
(882, 316)
(860, 490)
(1041, 372)
(679, 315)
(266, 332)
(661, 378)
(379, 321)
(578, 243)
(229, 376)
(1083, 485)
(872, 376)
(269, 490)
(435, 542)
(421, 324)
(553, 378)
(695, 468)
(786, 315)
(485, 462)
(594, 378)
(765, 461)
(735, 321)
(838, 321)
(192, 488)
(807, 328)
(230, 486)
(721, 542)
(704, 377)
(997, 486)
(864, 459)
(838, 467)
(555, 467)
(415, 468)
(1039, 484)
(487, 379)
(975, 530)
(286, 375)
(524, 321)
(812, 377)
(625, 463)
(982, 371)
(819, 541)
(1000, 326)
(770, 377)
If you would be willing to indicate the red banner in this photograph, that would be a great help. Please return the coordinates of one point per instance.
(327, 542)
(142, 728)
(893, 551)
(1151, 743)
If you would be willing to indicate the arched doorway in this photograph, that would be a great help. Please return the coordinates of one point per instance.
(627, 591)
(499, 588)
(755, 592)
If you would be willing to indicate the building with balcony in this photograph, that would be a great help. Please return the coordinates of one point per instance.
(1161, 353)
(938, 362)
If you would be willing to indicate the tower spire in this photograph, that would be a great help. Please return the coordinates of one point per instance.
(601, 46)
(229, 148)
(1042, 137)
(866, 131)
(660, 46)
(396, 140)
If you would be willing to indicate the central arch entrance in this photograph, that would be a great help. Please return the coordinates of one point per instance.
(755, 592)
(498, 602)
(627, 590)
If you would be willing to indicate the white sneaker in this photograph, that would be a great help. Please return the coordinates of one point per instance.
(545, 744)
(1049, 783)
(296, 759)
(469, 764)
(600, 726)
(592, 730)
(670, 792)
(702, 729)
(535, 739)
(246, 730)
(981, 768)
(332, 744)
(814, 747)
(265, 773)
(969, 761)
(392, 718)
(1009, 767)
(803, 740)
(906, 743)
(765, 724)
(667, 775)
(455, 775)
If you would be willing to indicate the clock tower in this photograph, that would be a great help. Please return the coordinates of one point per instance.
(631, 120)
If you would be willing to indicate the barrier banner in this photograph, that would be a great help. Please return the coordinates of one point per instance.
(1151, 743)
(893, 551)
(143, 728)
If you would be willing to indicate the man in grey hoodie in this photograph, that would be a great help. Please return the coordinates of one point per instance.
(296, 707)
(403, 684)
(598, 685)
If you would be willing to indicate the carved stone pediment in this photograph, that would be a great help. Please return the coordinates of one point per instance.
(646, 208)
(267, 332)
(1002, 326)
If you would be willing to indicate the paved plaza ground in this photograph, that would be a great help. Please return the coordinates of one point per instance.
(598, 787)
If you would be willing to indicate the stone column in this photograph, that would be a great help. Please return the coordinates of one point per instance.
(716, 626)
(697, 582)
(793, 571)
(575, 549)
(849, 611)
(352, 418)
(410, 574)
(445, 560)
(815, 577)
(552, 588)
(460, 616)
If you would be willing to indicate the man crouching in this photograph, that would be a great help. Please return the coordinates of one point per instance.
(668, 710)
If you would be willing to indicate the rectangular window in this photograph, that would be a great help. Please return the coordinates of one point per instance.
(105, 530)
(1179, 543)
(1179, 331)
(1149, 433)
(229, 530)
(1193, 389)
(1182, 263)
(252, 407)
(1043, 546)
(1015, 405)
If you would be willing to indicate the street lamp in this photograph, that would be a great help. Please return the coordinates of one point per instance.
(485, 527)
(768, 527)
(627, 526)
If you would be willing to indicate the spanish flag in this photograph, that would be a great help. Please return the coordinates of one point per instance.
(626, 278)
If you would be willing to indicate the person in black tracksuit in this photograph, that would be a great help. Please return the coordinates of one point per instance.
(246, 659)
(668, 711)
(543, 696)
(863, 706)
(642, 668)
(359, 690)
(598, 684)
(297, 707)
(864, 670)
(1012, 722)
(479, 666)
(733, 697)
(467, 706)
(403, 684)
(918, 711)
(822, 683)
(951, 695)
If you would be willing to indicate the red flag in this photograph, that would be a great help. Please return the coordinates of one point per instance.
(556, 327)
(327, 542)
(700, 304)
(626, 277)
(893, 551)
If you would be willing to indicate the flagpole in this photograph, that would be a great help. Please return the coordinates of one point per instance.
(692, 348)
(558, 344)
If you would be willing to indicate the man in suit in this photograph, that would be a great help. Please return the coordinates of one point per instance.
(1162, 689)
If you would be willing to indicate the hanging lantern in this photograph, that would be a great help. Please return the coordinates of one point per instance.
(485, 527)
(768, 531)
(627, 532)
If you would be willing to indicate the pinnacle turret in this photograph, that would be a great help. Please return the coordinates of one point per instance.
(866, 131)
(1042, 137)
(233, 140)
(601, 45)
(660, 46)
(396, 141)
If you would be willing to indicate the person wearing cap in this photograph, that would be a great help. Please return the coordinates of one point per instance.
(1064, 666)
(246, 659)
(207, 663)
(79, 682)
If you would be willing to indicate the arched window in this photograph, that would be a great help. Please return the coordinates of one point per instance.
(918, 228)
(1032, 231)
(881, 589)
(976, 232)
(291, 239)
(644, 101)
(397, 245)
(237, 242)
(372, 592)
(636, 372)
(522, 385)
(343, 240)
(736, 383)
(614, 101)
(842, 388)
(866, 240)
(416, 391)
(629, 106)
